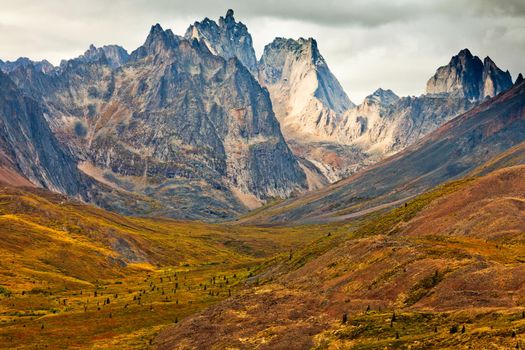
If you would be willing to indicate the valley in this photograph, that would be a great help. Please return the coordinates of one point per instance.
(76, 276)
(410, 277)
(190, 194)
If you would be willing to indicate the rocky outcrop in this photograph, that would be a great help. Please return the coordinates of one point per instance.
(467, 76)
(307, 98)
(494, 79)
(29, 148)
(227, 39)
(383, 126)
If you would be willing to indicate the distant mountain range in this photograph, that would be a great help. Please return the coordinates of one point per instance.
(452, 151)
(196, 127)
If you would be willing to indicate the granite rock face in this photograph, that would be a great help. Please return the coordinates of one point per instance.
(307, 98)
(227, 39)
(467, 76)
(29, 148)
(384, 124)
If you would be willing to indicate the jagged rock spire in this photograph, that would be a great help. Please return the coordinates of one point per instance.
(227, 38)
(467, 76)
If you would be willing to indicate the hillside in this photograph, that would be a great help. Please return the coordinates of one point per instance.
(411, 277)
(61, 261)
(450, 152)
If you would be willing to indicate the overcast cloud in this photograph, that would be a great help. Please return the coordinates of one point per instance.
(394, 44)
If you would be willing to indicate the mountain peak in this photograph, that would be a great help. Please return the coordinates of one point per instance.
(229, 19)
(519, 79)
(494, 80)
(466, 75)
(382, 96)
(23, 62)
(227, 39)
(158, 40)
(156, 29)
(465, 53)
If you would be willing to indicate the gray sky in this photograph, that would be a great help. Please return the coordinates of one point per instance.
(394, 44)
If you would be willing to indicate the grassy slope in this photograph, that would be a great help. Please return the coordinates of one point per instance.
(452, 256)
(56, 253)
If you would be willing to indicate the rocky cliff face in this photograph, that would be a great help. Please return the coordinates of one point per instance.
(452, 151)
(467, 76)
(227, 39)
(28, 146)
(383, 125)
(171, 123)
(307, 98)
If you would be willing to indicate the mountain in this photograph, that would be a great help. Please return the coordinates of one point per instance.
(307, 98)
(195, 127)
(385, 124)
(451, 151)
(309, 102)
(172, 123)
(114, 55)
(467, 76)
(324, 128)
(227, 39)
(29, 150)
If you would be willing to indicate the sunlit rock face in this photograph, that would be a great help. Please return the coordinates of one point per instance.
(307, 98)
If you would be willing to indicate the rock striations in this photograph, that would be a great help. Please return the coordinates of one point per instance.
(29, 148)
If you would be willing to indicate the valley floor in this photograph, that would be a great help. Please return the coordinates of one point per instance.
(444, 270)
(75, 276)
